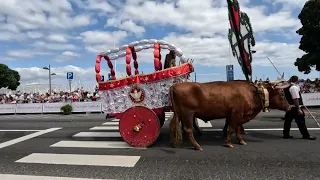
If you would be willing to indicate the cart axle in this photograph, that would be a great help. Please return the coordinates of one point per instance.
(138, 127)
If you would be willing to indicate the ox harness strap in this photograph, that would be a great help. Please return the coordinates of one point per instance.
(264, 95)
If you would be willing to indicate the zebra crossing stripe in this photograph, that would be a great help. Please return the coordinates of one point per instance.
(27, 137)
(18, 130)
(203, 124)
(98, 134)
(29, 177)
(105, 128)
(110, 123)
(94, 144)
(81, 159)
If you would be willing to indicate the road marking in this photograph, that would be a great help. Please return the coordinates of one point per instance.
(203, 124)
(98, 134)
(105, 128)
(94, 144)
(115, 120)
(81, 159)
(29, 177)
(30, 116)
(168, 117)
(17, 130)
(111, 123)
(26, 137)
(267, 129)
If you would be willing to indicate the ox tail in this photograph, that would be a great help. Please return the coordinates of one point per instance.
(175, 129)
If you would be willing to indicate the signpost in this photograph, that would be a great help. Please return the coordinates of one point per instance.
(70, 78)
(229, 70)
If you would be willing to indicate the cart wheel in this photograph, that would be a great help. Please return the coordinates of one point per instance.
(162, 119)
(139, 126)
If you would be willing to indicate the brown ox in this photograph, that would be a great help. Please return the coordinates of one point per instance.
(237, 101)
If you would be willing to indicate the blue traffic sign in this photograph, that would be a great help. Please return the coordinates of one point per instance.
(230, 73)
(230, 76)
(70, 75)
(102, 78)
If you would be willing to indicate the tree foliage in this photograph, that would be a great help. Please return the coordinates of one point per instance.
(310, 40)
(9, 78)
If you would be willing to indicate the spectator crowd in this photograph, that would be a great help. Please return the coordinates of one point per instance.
(79, 95)
(310, 86)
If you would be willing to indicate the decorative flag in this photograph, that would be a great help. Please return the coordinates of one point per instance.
(241, 37)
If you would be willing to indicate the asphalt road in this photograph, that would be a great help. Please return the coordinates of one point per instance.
(58, 146)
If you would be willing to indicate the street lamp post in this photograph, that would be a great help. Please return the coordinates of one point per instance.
(50, 74)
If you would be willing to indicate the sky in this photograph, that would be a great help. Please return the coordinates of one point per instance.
(68, 35)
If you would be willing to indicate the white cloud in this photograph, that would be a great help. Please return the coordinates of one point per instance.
(34, 14)
(66, 56)
(215, 51)
(69, 53)
(57, 38)
(84, 77)
(34, 34)
(127, 25)
(99, 5)
(25, 53)
(290, 4)
(10, 27)
(2, 18)
(63, 30)
(11, 36)
(98, 41)
(53, 46)
(200, 17)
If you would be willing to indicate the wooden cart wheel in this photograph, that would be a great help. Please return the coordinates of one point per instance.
(139, 126)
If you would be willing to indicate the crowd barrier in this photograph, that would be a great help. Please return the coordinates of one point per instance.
(39, 108)
(309, 99)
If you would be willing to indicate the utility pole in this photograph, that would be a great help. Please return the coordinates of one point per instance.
(70, 82)
(195, 77)
(49, 80)
(50, 74)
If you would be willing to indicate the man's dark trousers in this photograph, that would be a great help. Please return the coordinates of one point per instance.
(300, 121)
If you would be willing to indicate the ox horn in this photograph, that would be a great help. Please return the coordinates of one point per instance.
(279, 81)
(283, 86)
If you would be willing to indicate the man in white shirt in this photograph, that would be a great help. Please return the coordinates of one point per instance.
(293, 96)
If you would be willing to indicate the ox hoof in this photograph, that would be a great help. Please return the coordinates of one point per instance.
(175, 146)
(229, 145)
(198, 148)
(242, 142)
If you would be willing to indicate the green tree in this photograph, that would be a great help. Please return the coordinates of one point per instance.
(9, 78)
(310, 40)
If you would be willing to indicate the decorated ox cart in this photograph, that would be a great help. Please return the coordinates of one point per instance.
(140, 100)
